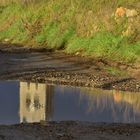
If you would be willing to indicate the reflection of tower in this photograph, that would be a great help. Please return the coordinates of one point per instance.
(35, 102)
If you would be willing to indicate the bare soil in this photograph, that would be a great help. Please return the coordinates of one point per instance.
(70, 131)
(41, 65)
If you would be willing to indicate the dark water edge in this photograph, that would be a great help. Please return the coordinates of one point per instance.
(22, 102)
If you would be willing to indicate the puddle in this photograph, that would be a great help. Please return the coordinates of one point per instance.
(32, 102)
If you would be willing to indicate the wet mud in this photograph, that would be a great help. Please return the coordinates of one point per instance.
(61, 68)
(70, 131)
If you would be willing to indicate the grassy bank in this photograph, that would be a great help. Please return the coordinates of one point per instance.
(84, 27)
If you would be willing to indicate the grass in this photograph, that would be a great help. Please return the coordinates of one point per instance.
(116, 71)
(84, 26)
(105, 46)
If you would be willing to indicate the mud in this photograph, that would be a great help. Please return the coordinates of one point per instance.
(18, 63)
(70, 131)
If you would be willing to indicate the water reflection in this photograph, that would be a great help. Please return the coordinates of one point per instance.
(121, 106)
(36, 102)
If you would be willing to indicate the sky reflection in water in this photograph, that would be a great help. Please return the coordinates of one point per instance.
(33, 102)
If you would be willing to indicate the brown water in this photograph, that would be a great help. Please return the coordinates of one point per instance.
(34, 102)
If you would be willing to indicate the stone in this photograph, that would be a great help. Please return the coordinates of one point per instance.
(131, 13)
(128, 19)
(120, 12)
(6, 39)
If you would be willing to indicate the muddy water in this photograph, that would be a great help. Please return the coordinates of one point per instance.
(33, 102)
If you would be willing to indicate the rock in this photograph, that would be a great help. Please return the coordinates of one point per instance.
(131, 13)
(77, 53)
(120, 12)
(129, 20)
(6, 39)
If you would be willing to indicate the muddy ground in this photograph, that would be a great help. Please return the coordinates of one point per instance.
(70, 131)
(41, 65)
(57, 67)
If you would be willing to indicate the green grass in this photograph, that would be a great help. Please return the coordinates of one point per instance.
(84, 26)
(105, 46)
(116, 71)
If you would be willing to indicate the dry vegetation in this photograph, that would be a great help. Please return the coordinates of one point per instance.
(86, 27)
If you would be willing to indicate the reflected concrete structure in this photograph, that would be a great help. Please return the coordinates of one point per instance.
(36, 102)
